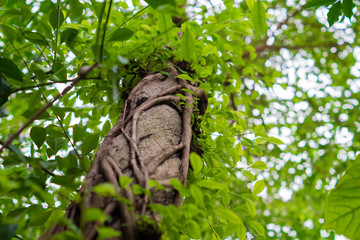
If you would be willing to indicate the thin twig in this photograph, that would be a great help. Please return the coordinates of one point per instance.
(58, 118)
(22, 59)
(57, 28)
(127, 20)
(98, 32)
(104, 29)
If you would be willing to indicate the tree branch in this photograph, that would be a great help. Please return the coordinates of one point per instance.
(47, 84)
(82, 73)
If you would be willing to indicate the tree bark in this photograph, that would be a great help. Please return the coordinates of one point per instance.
(151, 140)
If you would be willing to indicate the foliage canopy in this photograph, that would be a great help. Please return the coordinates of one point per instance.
(282, 79)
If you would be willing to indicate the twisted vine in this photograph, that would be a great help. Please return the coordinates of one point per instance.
(155, 114)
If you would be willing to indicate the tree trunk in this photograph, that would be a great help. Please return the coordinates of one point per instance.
(151, 140)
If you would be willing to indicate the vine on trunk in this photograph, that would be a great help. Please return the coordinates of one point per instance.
(151, 140)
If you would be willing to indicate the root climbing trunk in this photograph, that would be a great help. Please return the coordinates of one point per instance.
(151, 140)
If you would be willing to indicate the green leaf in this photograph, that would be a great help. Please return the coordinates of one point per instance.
(347, 7)
(228, 215)
(16, 214)
(258, 17)
(156, 185)
(241, 232)
(259, 165)
(178, 186)
(59, 70)
(257, 227)
(56, 18)
(107, 232)
(69, 235)
(187, 45)
(94, 214)
(7, 231)
(275, 140)
(54, 131)
(96, 6)
(56, 143)
(40, 217)
(342, 211)
(76, 9)
(185, 77)
(197, 195)
(2, 3)
(259, 187)
(90, 143)
(66, 163)
(30, 113)
(5, 90)
(318, 3)
(196, 163)
(42, 76)
(105, 189)
(59, 112)
(205, 86)
(249, 175)
(193, 229)
(121, 34)
(78, 133)
(68, 36)
(137, 189)
(125, 181)
(65, 181)
(334, 13)
(208, 49)
(161, 4)
(211, 184)
(225, 100)
(250, 207)
(259, 129)
(10, 70)
(250, 4)
(38, 135)
(8, 32)
(106, 128)
(35, 38)
(85, 163)
(17, 152)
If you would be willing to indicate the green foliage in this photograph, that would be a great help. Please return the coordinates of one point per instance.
(9, 69)
(343, 204)
(35, 38)
(121, 34)
(257, 143)
(337, 8)
(258, 17)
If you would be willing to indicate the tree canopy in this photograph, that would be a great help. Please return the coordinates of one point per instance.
(278, 139)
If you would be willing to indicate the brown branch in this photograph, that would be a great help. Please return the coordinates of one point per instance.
(63, 129)
(47, 84)
(82, 73)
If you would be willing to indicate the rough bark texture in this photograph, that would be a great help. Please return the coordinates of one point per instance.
(151, 140)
